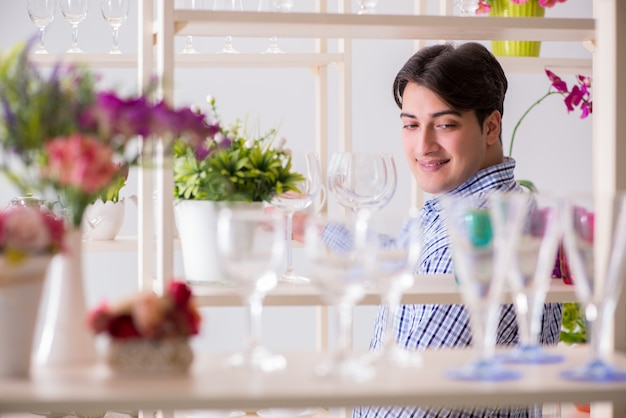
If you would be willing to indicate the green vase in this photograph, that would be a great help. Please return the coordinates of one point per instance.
(505, 8)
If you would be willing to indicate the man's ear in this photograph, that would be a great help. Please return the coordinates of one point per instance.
(492, 127)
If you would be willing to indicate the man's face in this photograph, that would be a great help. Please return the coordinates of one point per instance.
(444, 147)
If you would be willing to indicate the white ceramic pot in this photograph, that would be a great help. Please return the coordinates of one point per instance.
(103, 220)
(196, 221)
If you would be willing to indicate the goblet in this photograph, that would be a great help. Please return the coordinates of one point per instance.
(251, 245)
(366, 7)
(42, 13)
(362, 182)
(598, 298)
(115, 12)
(280, 6)
(532, 264)
(482, 241)
(74, 11)
(235, 5)
(189, 5)
(340, 255)
(308, 166)
(395, 261)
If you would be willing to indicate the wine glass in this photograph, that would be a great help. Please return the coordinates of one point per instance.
(482, 239)
(308, 166)
(396, 258)
(598, 299)
(532, 263)
(251, 245)
(115, 12)
(366, 7)
(42, 13)
(74, 11)
(340, 255)
(189, 5)
(362, 182)
(280, 6)
(235, 5)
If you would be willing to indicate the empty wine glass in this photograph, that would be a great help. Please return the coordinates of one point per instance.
(340, 255)
(280, 6)
(251, 245)
(189, 5)
(362, 182)
(234, 5)
(598, 299)
(42, 13)
(532, 263)
(482, 241)
(366, 7)
(74, 11)
(396, 257)
(308, 166)
(115, 12)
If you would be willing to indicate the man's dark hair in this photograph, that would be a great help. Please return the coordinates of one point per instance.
(467, 77)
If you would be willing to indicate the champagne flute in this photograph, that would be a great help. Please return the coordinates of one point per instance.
(340, 255)
(308, 166)
(362, 182)
(396, 258)
(532, 264)
(482, 240)
(280, 6)
(598, 300)
(235, 5)
(115, 12)
(251, 244)
(74, 11)
(42, 13)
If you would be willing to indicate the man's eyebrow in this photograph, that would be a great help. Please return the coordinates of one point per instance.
(434, 115)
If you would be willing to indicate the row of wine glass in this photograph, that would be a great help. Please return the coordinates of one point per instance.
(502, 240)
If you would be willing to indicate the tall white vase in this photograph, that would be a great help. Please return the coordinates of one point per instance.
(20, 295)
(65, 339)
(196, 221)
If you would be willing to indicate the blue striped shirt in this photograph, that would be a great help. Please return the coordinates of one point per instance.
(437, 326)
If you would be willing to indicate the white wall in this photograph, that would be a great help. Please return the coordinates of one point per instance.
(553, 148)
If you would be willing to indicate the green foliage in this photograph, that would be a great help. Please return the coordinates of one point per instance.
(573, 326)
(240, 167)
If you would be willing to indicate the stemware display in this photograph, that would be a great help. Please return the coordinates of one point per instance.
(251, 244)
(340, 254)
(189, 5)
(482, 239)
(598, 297)
(396, 257)
(42, 13)
(280, 6)
(529, 278)
(74, 11)
(234, 5)
(362, 182)
(366, 7)
(308, 166)
(115, 12)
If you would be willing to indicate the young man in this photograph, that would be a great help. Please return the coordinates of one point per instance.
(451, 101)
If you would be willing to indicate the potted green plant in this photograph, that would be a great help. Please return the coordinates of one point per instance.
(235, 167)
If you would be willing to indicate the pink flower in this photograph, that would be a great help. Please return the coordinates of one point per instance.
(79, 161)
(148, 312)
(24, 230)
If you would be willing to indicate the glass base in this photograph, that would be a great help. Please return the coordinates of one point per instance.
(483, 371)
(259, 358)
(74, 50)
(530, 354)
(352, 369)
(291, 277)
(395, 357)
(595, 371)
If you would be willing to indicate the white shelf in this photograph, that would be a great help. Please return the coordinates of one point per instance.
(210, 385)
(436, 288)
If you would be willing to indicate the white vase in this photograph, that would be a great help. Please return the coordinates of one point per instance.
(103, 220)
(20, 295)
(65, 339)
(196, 221)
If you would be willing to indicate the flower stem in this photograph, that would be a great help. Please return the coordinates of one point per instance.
(549, 93)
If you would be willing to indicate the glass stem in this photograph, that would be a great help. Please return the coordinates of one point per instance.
(189, 43)
(255, 306)
(344, 343)
(289, 249)
(42, 34)
(74, 36)
(116, 31)
(392, 302)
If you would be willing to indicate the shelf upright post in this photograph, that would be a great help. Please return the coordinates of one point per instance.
(344, 81)
(164, 176)
(145, 221)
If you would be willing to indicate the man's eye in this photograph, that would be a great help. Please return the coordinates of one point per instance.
(409, 126)
(446, 125)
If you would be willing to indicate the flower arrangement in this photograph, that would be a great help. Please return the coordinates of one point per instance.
(148, 316)
(26, 232)
(233, 165)
(485, 7)
(66, 141)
